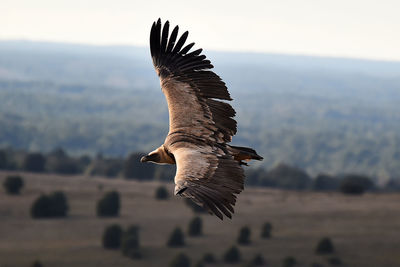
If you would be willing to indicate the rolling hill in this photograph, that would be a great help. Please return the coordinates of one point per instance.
(330, 115)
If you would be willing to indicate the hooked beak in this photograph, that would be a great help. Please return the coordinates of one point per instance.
(152, 157)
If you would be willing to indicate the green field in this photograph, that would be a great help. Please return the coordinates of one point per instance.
(365, 230)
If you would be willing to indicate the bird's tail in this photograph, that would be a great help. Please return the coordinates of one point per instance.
(244, 153)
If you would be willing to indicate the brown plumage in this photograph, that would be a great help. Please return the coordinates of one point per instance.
(200, 126)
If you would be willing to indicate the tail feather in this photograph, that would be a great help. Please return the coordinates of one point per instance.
(244, 153)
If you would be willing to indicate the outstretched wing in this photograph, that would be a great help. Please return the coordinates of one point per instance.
(209, 177)
(199, 122)
(191, 89)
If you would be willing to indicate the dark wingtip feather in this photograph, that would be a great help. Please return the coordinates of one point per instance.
(170, 53)
(209, 204)
(195, 52)
(172, 39)
(164, 36)
(187, 48)
(172, 58)
(180, 42)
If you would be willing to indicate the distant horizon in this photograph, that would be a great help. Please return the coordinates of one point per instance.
(345, 29)
(322, 56)
(323, 114)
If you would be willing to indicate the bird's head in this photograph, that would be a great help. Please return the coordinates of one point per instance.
(152, 157)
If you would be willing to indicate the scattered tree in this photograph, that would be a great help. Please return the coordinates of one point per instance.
(325, 246)
(130, 243)
(41, 207)
(244, 236)
(112, 237)
(135, 254)
(232, 255)
(66, 166)
(60, 206)
(258, 260)
(266, 230)
(355, 184)
(134, 169)
(209, 258)
(50, 206)
(335, 261)
(3, 160)
(133, 230)
(288, 177)
(180, 260)
(13, 184)
(34, 162)
(37, 263)
(105, 167)
(58, 152)
(176, 238)
(289, 262)
(325, 182)
(109, 205)
(162, 193)
(7, 161)
(195, 227)
(58, 161)
(256, 177)
(85, 160)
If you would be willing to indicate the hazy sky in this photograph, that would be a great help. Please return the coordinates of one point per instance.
(352, 28)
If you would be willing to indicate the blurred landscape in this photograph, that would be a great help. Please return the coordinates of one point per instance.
(326, 115)
(359, 226)
(75, 119)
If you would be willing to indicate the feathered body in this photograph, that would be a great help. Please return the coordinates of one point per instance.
(200, 125)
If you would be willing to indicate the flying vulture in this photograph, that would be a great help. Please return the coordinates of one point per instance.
(200, 125)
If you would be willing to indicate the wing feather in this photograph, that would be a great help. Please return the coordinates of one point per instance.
(180, 42)
(187, 48)
(210, 180)
(186, 78)
(164, 38)
(201, 123)
(172, 39)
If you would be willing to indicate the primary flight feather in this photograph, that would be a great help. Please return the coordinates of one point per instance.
(208, 170)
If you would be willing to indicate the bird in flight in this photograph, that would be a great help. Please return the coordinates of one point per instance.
(209, 171)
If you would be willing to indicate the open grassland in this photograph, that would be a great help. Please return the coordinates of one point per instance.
(364, 229)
